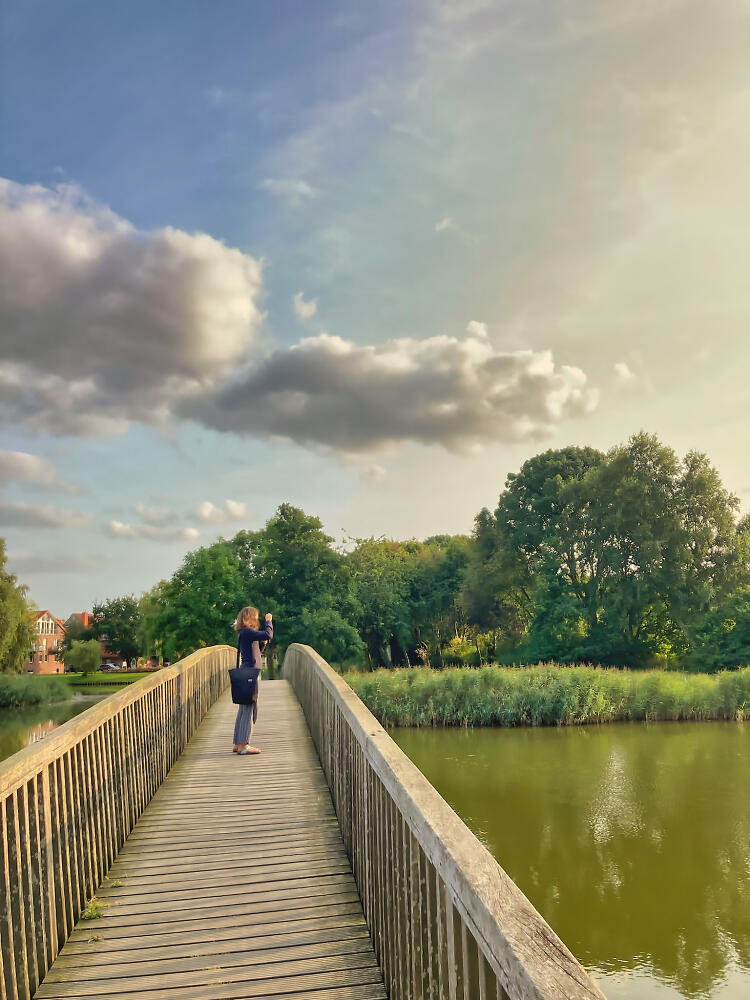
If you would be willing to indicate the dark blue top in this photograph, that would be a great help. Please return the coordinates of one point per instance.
(250, 641)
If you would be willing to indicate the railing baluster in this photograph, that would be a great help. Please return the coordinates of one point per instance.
(68, 802)
(446, 921)
(9, 952)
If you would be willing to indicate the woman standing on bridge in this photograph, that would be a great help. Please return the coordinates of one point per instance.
(250, 643)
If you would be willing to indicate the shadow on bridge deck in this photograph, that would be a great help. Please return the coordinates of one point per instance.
(234, 882)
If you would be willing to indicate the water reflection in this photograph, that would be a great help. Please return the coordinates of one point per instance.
(22, 727)
(633, 842)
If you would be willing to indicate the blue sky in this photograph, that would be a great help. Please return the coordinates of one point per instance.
(364, 258)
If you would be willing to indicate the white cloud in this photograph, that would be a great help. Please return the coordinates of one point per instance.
(21, 467)
(231, 510)
(235, 509)
(623, 371)
(288, 189)
(304, 308)
(158, 517)
(446, 223)
(477, 329)
(442, 390)
(104, 324)
(155, 533)
(27, 515)
(111, 325)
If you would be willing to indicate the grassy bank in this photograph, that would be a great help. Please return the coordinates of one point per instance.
(549, 695)
(106, 680)
(17, 691)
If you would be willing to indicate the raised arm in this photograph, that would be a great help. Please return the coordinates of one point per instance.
(262, 635)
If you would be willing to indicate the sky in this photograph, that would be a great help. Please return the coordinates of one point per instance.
(363, 258)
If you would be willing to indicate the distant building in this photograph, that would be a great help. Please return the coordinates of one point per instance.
(86, 619)
(43, 657)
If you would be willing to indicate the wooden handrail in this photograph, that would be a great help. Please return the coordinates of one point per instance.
(68, 802)
(445, 919)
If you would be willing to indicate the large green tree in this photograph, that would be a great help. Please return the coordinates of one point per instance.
(614, 558)
(723, 638)
(198, 605)
(407, 596)
(118, 622)
(16, 629)
(377, 569)
(289, 568)
(295, 572)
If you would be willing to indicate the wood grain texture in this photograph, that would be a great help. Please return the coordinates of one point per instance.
(233, 883)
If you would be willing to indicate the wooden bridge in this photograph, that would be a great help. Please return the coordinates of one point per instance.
(141, 859)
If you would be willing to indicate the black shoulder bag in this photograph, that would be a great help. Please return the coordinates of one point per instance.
(244, 681)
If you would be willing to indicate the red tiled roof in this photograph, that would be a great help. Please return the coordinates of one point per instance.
(83, 617)
(41, 614)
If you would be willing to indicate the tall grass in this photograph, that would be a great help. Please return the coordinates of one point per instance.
(16, 691)
(549, 695)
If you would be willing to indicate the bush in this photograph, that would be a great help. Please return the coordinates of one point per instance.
(549, 695)
(19, 691)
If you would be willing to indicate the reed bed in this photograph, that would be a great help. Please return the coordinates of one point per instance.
(18, 690)
(549, 695)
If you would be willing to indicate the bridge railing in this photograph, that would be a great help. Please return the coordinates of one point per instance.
(447, 922)
(68, 802)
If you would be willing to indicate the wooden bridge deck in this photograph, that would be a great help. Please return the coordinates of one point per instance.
(233, 884)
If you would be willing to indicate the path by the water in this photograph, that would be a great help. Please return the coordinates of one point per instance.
(234, 883)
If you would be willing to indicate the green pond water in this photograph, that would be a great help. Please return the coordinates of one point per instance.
(632, 840)
(21, 726)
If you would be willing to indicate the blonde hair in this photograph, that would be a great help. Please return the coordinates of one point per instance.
(249, 617)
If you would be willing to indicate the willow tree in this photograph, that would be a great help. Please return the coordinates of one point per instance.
(16, 630)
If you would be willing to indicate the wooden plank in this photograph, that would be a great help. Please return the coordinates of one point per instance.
(285, 951)
(233, 883)
(218, 942)
(262, 982)
(141, 936)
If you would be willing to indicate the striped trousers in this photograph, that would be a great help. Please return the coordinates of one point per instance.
(246, 716)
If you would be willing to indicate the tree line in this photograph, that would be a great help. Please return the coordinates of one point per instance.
(633, 557)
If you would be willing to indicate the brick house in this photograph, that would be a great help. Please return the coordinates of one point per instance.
(50, 633)
(86, 619)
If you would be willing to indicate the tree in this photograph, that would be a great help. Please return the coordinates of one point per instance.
(118, 621)
(76, 631)
(622, 555)
(723, 639)
(198, 605)
(293, 569)
(377, 569)
(498, 585)
(435, 575)
(407, 595)
(16, 629)
(83, 656)
(149, 608)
